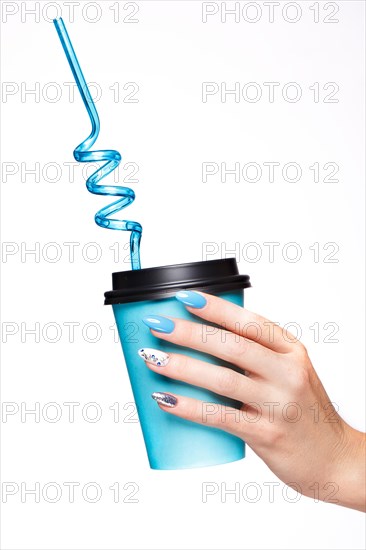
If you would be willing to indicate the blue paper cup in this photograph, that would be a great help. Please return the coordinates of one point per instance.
(171, 442)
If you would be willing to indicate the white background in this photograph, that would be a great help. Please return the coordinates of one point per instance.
(169, 133)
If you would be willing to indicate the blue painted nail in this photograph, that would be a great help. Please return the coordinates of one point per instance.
(191, 298)
(158, 323)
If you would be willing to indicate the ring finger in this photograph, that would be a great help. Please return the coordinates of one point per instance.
(218, 379)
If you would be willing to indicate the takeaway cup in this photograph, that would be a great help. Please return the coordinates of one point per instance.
(172, 442)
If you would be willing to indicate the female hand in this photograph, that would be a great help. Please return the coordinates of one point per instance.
(287, 417)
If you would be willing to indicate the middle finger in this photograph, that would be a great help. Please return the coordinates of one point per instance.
(226, 345)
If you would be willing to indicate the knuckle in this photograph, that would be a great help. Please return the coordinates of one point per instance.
(179, 364)
(234, 347)
(298, 369)
(274, 436)
(227, 381)
(289, 337)
(185, 333)
(269, 434)
(300, 380)
(210, 414)
(266, 436)
(252, 328)
(301, 351)
(192, 411)
(202, 412)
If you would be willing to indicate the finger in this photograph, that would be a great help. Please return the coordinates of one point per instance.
(218, 379)
(210, 414)
(237, 319)
(230, 347)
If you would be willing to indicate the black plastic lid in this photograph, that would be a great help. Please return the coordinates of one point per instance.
(155, 283)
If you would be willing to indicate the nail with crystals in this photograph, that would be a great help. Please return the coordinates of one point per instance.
(158, 358)
(166, 399)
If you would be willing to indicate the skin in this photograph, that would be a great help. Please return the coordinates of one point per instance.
(287, 417)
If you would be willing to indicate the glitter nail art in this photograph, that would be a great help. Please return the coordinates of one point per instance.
(165, 399)
(158, 358)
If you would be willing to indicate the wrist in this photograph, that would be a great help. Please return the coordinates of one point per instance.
(349, 470)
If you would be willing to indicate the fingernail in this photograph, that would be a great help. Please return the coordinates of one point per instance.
(158, 323)
(191, 298)
(159, 358)
(165, 399)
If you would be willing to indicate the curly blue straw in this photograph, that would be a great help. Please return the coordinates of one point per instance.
(82, 153)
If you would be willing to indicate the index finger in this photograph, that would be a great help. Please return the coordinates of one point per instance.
(237, 319)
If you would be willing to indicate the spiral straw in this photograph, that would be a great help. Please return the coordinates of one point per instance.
(82, 153)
